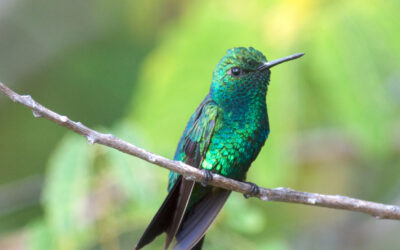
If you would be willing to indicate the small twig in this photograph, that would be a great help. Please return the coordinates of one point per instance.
(379, 211)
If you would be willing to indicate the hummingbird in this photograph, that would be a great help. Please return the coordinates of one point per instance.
(224, 136)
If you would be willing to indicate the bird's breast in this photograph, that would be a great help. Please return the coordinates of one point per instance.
(236, 142)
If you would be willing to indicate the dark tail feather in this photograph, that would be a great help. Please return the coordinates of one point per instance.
(185, 191)
(163, 219)
(199, 244)
(199, 219)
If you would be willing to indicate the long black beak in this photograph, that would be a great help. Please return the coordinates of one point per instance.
(272, 63)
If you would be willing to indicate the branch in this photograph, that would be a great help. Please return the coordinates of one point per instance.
(379, 211)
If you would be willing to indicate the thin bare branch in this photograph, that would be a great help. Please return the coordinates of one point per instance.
(378, 210)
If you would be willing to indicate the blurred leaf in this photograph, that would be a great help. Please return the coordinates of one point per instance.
(66, 186)
(274, 244)
(251, 219)
(351, 82)
(40, 236)
(138, 178)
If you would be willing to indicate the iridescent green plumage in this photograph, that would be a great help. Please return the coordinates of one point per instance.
(224, 136)
(238, 108)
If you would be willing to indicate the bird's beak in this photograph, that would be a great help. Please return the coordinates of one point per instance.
(272, 63)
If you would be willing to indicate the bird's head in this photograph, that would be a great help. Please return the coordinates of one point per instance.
(243, 71)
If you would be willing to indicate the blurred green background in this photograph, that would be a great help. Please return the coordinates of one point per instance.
(139, 69)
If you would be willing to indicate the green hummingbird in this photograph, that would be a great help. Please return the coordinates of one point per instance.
(223, 136)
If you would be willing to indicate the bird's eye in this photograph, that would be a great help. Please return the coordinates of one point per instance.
(236, 71)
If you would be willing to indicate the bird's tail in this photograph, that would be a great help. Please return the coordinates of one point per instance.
(199, 218)
(195, 223)
(163, 218)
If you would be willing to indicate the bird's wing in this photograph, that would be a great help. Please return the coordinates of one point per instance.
(191, 150)
(195, 144)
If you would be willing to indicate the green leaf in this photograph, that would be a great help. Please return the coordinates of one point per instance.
(66, 187)
(138, 179)
(40, 236)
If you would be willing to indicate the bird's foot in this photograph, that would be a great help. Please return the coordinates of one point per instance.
(254, 191)
(207, 177)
